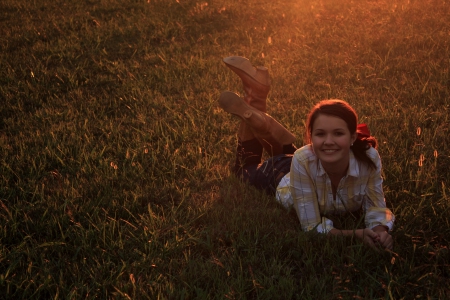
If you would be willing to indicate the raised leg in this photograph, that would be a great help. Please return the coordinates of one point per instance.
(273, 136)
(256, 80)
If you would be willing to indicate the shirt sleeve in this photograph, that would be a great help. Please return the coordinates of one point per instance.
(376, 212)
(303, 191)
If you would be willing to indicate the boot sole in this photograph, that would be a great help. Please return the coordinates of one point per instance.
(244, 69)
(233, 104)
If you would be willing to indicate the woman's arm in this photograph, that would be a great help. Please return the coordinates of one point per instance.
(378, 216)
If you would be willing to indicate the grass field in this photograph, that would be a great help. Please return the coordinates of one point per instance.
(115, 174)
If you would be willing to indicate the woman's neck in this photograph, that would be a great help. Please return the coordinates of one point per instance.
(336, 170)
(335, 173)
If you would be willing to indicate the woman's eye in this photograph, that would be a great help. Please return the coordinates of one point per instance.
(339, 133)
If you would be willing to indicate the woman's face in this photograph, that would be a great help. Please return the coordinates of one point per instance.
(331, 140)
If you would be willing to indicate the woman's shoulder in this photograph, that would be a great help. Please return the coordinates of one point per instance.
(305, 153)
(373, 153)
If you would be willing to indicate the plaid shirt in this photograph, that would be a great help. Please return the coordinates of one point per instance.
(308, 188)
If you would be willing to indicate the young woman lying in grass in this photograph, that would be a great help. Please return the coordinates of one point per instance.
(334, 179)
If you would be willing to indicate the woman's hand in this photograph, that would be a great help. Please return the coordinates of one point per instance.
(386, 239)
(376, 237)
(368, 236)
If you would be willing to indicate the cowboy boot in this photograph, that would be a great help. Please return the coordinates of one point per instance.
(272, 135)
(245, 132)
(256, 80)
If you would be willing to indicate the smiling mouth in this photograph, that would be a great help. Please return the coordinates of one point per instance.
(330, 150)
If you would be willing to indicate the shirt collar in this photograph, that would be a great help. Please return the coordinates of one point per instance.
(353, 166)
(353, 169)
